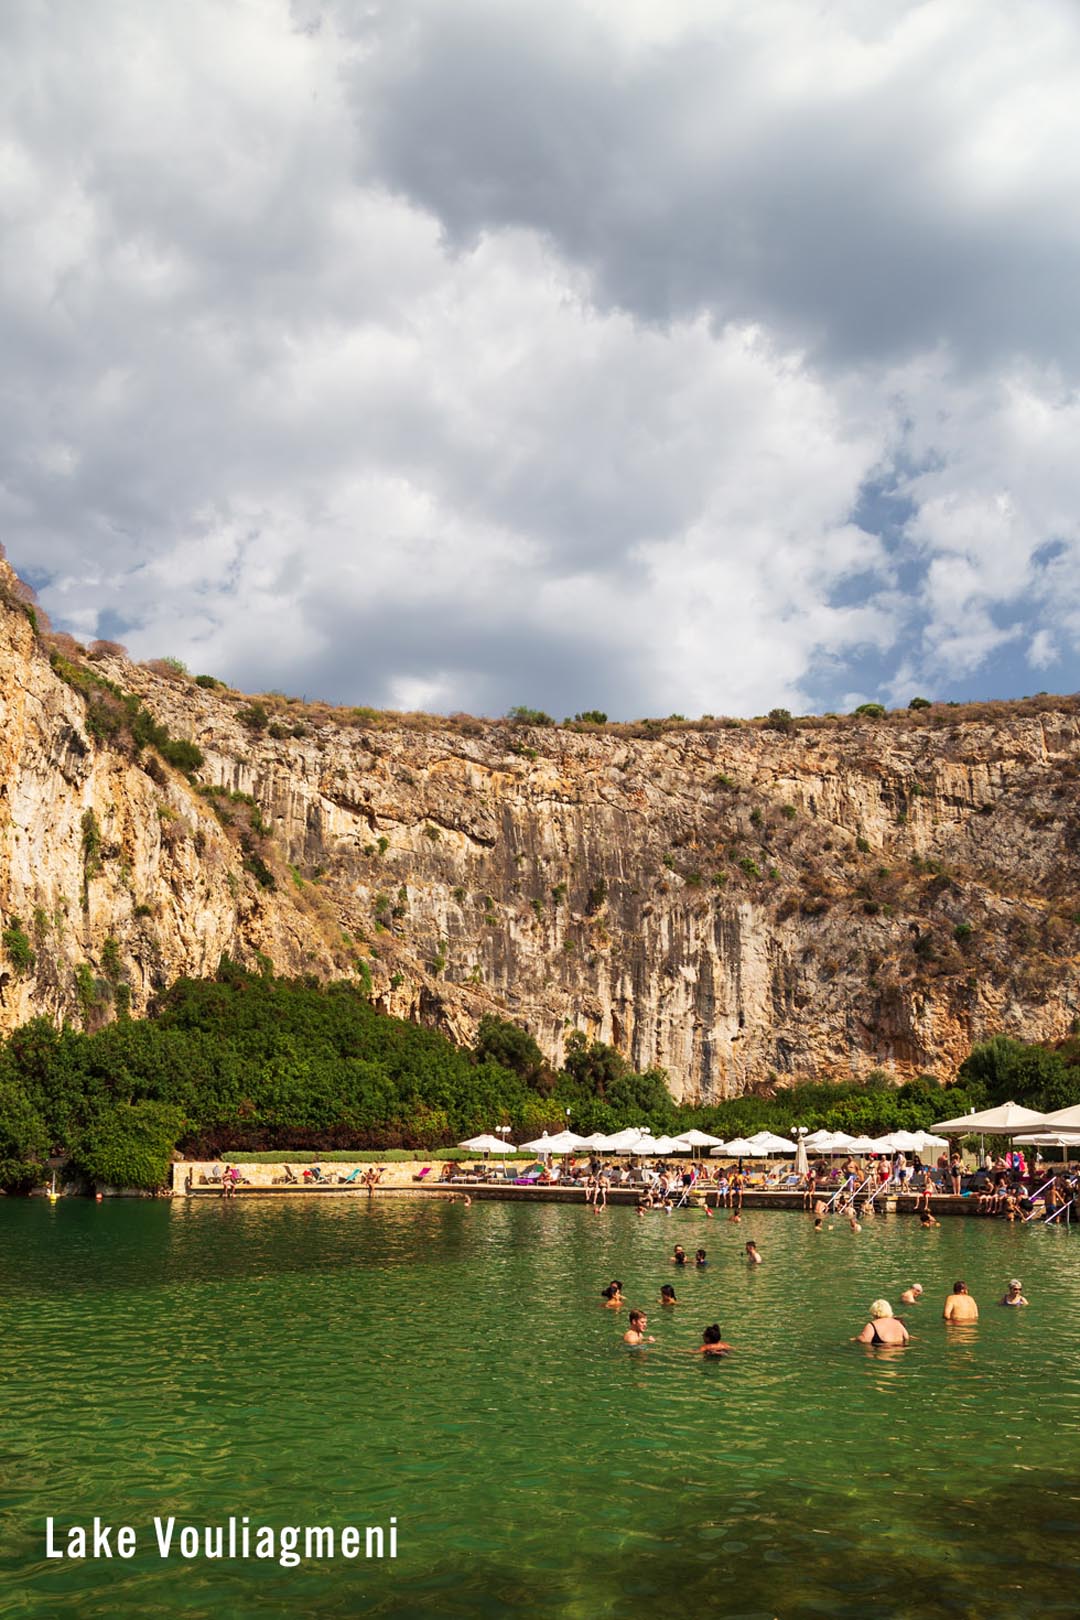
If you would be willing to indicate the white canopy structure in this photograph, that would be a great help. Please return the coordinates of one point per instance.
(835, 1142)
(737, 1149)
(696, 1139)
(625, 1141)
(488, 1144)
(669, 1144)
(766, 1142)
(562, 1142)
(1065, 1119)
(817, 1139)
(1005, 1120)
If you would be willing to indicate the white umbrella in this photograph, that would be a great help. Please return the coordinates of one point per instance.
(626, 1141)
(1005, 1120)
(835, 1142)
(563, 1142)
(766, 1142)
(927, 1139)
(488, 1144)
(669, 1144)
(1054, 1139)
(738, 1149)
(597, 1140)
(906, 1141)
(696, 1138)
(817, 1139)
(802, 1163)
(865, 1144)
(646, 1146)
(1065, 1119)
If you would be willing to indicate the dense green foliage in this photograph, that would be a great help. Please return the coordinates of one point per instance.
(129, 1144)
(23, 1138)
(247, 1062)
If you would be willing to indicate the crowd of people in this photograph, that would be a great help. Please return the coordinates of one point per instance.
(884, 1328)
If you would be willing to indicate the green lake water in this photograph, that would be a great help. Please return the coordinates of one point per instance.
(339, 1361)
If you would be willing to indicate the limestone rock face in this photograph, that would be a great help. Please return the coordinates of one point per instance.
(733, 903)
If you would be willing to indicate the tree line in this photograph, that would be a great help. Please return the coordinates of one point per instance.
(251, 1062)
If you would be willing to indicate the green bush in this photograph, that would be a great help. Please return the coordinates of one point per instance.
(129, 1145)
(24, 1143)
(521, 716)
(17, 944)
(870, 711)
(920, 703)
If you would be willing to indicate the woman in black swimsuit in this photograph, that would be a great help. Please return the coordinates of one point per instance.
(882, 1328)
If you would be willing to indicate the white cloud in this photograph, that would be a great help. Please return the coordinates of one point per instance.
(337, 359)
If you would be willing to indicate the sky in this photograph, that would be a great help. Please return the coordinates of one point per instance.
(694, 358)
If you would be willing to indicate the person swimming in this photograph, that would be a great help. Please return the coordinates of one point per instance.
(711, 1342)
(635, 1333)
(912, 1295)
(1015, 1293)
(700, 1259)
(679, 1256)
(752, 1255)
(667, 1295)
(612, 1296)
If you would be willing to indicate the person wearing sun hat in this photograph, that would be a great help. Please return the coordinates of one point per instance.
(1015, 1294)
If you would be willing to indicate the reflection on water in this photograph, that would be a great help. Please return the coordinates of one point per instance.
(341, 1361)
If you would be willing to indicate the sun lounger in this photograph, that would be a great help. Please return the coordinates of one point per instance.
(424, 1173)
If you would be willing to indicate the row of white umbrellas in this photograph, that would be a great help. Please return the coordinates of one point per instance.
(642, 1144)
(1024, 1124)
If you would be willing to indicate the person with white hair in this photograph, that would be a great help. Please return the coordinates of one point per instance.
(883, 1327)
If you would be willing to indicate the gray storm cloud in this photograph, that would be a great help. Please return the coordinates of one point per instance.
(464, 355)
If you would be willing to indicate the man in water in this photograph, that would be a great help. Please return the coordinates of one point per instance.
(752, 1256)
(679, 1256)
(960, 1307)
(635, 1333)
(912, 1295)
(926, 1220)
(700, 1259)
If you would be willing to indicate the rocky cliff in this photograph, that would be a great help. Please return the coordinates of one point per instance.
(731, 901)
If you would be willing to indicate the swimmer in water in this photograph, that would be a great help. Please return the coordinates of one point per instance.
(635, 1333)
(700, 1259)
(752, 1256)
(667, 1295)
(612, 1296)
(679, 1256)
(736, 1219)
(926, 1220)
(912, 1295)
(853, 1223)
(1015, 1293)
(711, 1342)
